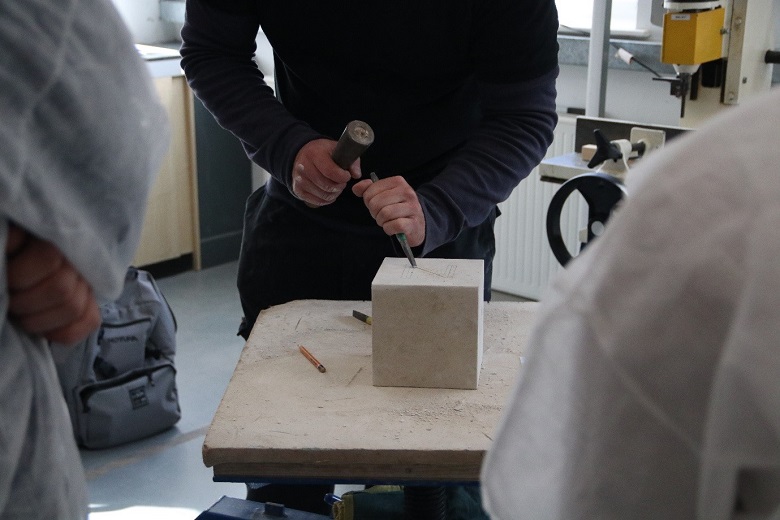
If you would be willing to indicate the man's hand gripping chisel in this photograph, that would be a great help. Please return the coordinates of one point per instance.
(358, 136)
(400, 236)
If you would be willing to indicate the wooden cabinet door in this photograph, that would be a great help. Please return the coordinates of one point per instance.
(170, 227)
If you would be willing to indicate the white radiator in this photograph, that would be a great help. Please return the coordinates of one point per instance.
(524, 263)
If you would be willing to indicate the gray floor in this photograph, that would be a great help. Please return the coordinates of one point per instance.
(164, 477)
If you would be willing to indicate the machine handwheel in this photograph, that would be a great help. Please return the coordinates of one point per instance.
(601, 192)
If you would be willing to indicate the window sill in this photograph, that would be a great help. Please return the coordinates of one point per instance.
(574, 51)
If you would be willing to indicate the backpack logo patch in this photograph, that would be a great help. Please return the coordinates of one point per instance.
(138, 397)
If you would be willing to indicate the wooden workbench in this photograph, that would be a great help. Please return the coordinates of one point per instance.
(282, 420)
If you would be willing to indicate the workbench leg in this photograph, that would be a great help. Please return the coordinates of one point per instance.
(425, 503)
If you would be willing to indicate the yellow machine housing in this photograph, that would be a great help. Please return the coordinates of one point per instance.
(693, 38)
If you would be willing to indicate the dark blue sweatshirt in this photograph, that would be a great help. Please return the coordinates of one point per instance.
(460, 93)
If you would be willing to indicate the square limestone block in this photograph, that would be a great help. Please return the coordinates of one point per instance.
(427, 323)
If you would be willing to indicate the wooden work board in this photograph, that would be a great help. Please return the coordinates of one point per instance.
(280, 419)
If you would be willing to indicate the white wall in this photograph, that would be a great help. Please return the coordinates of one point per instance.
(143, 19)
(631, 96)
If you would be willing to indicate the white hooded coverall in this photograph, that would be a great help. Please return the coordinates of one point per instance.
(651, 387)
(81, 136)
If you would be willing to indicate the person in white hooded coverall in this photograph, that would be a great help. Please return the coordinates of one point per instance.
(81, 135)
(651, 387)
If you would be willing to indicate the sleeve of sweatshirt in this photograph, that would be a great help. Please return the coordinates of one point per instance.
(218, 48)
(516, 130)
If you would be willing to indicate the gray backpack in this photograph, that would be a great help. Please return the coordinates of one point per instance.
(119, 383)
